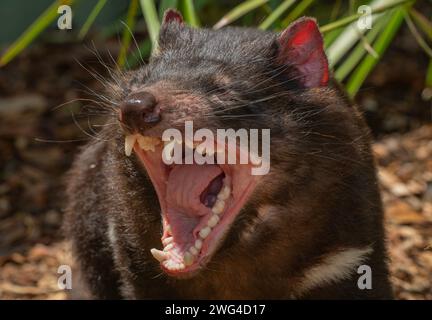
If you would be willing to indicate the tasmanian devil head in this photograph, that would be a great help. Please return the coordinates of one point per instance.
(238, 79)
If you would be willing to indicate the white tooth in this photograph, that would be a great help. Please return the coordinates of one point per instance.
(168, 229)
(205, 232)
(201, 149)
(218, 207)
(167, 241)
(168, 150)
(129, 143)
(176, 266)
(225, 193)
(159, 255)
(180, 266)
(213, 221)
(193, 251)
(198, 244)
(168, 247)
(188, 259)
(209, 149)
(170, 265)
(170, 143)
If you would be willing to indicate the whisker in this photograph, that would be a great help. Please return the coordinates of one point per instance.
(135, 42)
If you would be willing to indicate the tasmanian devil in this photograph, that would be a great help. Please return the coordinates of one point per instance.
(312, 227)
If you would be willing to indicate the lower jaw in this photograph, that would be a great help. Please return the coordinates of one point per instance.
(207, 246)
(175, 257)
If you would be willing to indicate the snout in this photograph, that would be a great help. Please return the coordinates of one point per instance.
(140, 111)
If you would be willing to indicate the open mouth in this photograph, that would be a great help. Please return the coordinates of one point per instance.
(199, 202)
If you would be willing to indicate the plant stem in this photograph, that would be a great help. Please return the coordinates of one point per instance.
(347, 20)
(151, 18)
(91, 18)
(380, 46)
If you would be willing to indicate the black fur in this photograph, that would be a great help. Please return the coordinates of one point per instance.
(322, 179)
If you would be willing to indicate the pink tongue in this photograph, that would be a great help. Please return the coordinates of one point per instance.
(185, 185)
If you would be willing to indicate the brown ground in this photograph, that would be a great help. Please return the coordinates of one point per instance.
(36, 149)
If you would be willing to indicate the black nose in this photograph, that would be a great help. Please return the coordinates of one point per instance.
(140, 111)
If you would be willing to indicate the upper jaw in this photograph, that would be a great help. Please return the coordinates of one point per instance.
(191, 238)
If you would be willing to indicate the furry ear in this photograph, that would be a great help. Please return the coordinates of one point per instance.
(172, 26)
(301, 46)
(172, 15)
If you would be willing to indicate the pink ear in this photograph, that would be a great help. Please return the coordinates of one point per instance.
(172, 15)
(301, 46)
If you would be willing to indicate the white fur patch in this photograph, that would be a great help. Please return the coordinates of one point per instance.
(266, 214)
(111, 233)
(334, 267)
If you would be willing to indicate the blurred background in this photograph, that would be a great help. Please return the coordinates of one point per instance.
(52, 89)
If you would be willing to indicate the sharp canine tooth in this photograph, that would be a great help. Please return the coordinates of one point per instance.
(167, 241)
(218, 207)
(188, 259)
(225, 193)
(198, 244)
(129, 143)
(159, 255)
(193, 250)
(205, 232)
(213, 221)
(168, 150)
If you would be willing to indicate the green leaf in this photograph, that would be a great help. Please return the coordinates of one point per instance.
(166, 4)
(284, 6)
(142, 52)
(33, 31)
(239, 11)
(297, 12)
(151, 18)
(189, 13)
(347, 20)
(381, 44)
(359, 51)
(352, 33)
(417, 36)
(424, 24)
(331, 36)
(429, 75)
(91, 18)
(127, 32)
